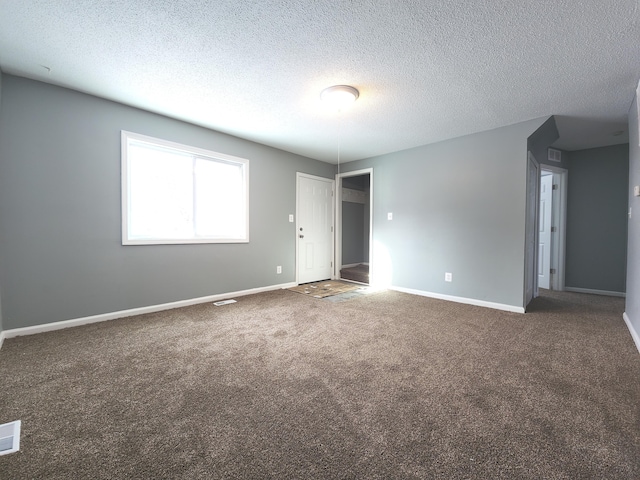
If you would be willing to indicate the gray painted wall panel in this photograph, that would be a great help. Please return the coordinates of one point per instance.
(597, 218)
(458, 206)
(60, 211)
(633, 246)
(540, 141)
(353, 222)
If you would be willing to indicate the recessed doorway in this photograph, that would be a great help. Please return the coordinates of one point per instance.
(354, 226)
(552, 226)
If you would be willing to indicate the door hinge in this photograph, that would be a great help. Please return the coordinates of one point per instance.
(331, 264)
(552, 271)
(555, 186)
(554, 229)
(331, 229)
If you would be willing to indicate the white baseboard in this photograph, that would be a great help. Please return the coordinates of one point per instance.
(634, 334)
(468, 301)
(1, 338)
(351, 265)
(595, 292)
(76, 322)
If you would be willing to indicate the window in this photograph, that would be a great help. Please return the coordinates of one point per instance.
(174, 193)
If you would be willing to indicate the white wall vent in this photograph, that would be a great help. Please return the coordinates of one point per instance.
(554, 155)
(10, 437)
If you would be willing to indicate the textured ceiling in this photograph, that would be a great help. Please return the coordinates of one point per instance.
(426, 70)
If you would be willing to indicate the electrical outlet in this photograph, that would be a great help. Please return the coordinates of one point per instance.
(390, 216)
(291, 218)
(448, 277)
(278, 269)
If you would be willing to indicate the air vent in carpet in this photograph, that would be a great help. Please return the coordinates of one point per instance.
(10, 437)
(223, 302)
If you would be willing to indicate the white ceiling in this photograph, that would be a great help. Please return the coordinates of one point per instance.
(426, 70)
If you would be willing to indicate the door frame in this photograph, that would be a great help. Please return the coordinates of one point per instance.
(337, 263)
(297, 228)
(559, 221)
(531, 231)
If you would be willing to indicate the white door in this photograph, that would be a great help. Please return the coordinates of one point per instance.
(544, 241)
(314, 228)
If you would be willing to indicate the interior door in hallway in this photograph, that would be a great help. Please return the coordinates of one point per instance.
(314, 228)
(544, 242)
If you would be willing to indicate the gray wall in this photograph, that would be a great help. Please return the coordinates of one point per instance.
(540, 141)
(60, 211)
(633, 246)
(458, 206)
(352, 233)
(597, 200)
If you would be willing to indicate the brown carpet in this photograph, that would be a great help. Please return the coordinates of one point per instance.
(325, 288)
(280, 385)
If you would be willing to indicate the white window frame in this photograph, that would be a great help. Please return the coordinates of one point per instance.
(127, 239)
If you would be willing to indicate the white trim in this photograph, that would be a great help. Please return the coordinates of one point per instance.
(595, 292)
(351, 265)
(2, 337)
(632, 331)
(468, 301)
(76, 322)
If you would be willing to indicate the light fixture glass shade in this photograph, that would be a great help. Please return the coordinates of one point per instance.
(339, 96)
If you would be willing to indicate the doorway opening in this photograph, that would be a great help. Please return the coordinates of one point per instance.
(354, 226)
(552, 226)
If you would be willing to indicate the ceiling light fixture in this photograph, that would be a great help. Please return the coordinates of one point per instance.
(339, 96)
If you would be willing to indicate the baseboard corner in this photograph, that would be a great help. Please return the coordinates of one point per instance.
(468, 301)
(632, 330)
(591, 291)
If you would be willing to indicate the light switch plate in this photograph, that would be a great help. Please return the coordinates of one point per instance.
(389, 216)
(636, 191)
(291, 217)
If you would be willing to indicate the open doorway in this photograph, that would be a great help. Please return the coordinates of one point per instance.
(552, 224)
(545, 227)
(354, 226)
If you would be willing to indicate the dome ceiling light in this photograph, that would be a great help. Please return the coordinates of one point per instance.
(339, 97)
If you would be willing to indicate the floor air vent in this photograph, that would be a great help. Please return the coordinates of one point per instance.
(9, 437)
(223, 302)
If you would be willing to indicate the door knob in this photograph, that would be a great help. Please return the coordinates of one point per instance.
(301, 236)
